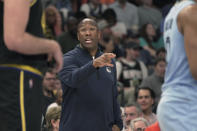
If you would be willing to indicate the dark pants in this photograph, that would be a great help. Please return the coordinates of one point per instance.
(20, 100)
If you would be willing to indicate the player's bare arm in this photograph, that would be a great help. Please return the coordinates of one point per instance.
(187, 20)
(16, 15)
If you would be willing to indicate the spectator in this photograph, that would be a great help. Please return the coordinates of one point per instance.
(53, 118)
(156, 80)
(150, 40)
(126, 13)
(129, 68)
(149, 14)
(93, 8)
(131, 111)
(53, 22)
(117, 31)
(118, 28)
(130, 71)
(48, 85)
(145, 98)
(161, 53)
(68, 39)
(138, 124)
(107, 43)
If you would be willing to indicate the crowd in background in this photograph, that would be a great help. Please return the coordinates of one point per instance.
(132, 29)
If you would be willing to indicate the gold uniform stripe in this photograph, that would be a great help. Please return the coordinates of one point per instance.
(23, 121)
(43, 23)
(23, 67)
(32, 2)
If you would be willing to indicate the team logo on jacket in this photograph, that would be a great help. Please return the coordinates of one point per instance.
(108, 69)
(31, 83)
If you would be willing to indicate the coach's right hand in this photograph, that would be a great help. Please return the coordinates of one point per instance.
(104, 60)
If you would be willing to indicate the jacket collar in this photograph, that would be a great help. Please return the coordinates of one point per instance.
(98, 53)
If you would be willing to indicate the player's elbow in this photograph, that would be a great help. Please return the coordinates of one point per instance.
(12, 41)
(194, 75)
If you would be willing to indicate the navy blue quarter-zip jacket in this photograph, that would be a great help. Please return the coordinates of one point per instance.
(89, 94)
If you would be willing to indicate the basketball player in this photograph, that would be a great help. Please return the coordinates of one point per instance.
(177, 110)
(23, 57)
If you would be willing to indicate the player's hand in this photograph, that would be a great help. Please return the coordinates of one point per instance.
(57, 56)
(104, 60)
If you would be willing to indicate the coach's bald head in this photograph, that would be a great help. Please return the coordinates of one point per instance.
(87, 21)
